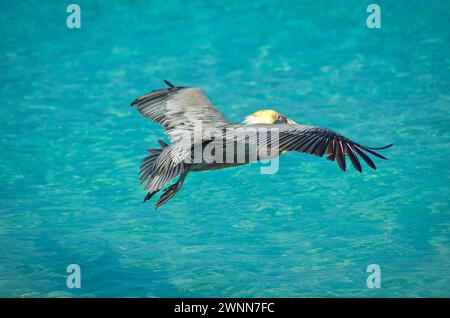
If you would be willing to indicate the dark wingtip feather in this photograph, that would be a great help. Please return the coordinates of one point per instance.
(380, 148)
(353, 158)
(365, 157)
(169, 84)
(340, 159)
(332, 151)
(376, 154)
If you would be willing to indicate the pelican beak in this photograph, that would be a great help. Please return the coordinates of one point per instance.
(291, 122)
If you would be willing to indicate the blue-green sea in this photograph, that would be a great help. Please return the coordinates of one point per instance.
(71, 147)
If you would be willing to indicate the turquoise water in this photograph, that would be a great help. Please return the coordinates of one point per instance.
(71, 148)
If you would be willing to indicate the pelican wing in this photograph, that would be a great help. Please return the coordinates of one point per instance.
(178, 108)
(314, 140)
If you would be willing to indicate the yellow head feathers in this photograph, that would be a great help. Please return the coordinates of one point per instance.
(267, 116)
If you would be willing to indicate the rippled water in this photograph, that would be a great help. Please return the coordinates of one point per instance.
(71, 148)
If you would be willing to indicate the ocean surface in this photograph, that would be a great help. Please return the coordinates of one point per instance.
(71, 146)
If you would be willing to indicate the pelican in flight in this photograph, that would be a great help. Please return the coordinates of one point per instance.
(180, 109)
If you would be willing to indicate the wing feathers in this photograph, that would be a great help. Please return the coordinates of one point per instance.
(319, 141)
(353, 158)
(340, 156)
(178, 108)
(365, 158)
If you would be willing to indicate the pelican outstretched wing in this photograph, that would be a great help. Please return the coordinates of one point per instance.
(177, 108)
(314, 140)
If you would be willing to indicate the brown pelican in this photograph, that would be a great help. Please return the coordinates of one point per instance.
(180, 109)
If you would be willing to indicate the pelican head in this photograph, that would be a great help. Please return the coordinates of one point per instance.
(267, 116)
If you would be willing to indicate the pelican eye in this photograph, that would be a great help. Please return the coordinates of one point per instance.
(280, 119)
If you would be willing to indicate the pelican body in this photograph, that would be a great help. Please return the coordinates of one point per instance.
(264, 134)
